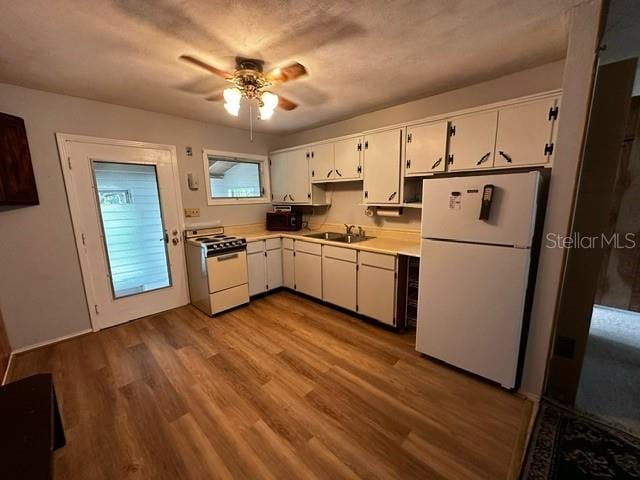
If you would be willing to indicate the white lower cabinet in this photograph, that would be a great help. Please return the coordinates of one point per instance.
(339, 276)
(264, 265)
(377, 286)
(308, 269)
(288, 268)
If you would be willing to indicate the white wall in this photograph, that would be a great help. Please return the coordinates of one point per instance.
(41, 289)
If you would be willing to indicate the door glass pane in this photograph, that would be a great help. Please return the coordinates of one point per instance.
(234, 178)
(132, 225)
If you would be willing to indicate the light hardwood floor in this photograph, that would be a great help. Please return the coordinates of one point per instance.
(282, 388)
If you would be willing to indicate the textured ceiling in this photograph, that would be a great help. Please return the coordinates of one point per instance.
(360, 55)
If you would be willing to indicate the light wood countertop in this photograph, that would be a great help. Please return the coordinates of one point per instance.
(382, 244)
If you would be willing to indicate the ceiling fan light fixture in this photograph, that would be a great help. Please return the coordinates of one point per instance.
(269, 104)
(232, 97)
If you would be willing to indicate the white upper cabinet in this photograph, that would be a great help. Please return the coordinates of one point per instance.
(347, 159)
(299, 185)
(426, 148)
(279, 164)
(525, 133)
(321, 162)
(382, 151)
(472, 141)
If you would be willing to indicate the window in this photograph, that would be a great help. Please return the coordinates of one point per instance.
(235, 178)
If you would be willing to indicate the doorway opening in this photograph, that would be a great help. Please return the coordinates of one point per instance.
(610, 379)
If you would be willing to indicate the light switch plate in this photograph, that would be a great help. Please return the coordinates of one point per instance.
(191, 212)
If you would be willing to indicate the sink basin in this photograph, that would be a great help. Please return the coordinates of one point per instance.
(351, 238)
(325, 235)
(338, 237)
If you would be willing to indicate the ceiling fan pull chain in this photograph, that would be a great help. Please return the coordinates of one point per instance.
(251, 121)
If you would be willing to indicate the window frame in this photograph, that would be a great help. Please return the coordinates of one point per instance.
(263, 162)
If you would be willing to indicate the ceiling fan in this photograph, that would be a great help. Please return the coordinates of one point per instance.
(249, 81)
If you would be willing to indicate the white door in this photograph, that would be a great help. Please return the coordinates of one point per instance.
(256, 267)
(523, 133)
(308, 273)
(451, 208)
(322, 163)
(376, 293)
(472, 144)
(288, 268)
(471, 306)
(382, 166)
(279, 164)
(339, 282)
(426, 148)
(274, 268)
(348, 154)
(299, 183)
(127, 218)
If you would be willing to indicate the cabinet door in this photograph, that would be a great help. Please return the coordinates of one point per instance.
(523, 133)
(299, 187)
(288, 269)
(376, 293)
(339, 282)
(426, 148)
(382, 167)
(472, 145)
(257, 273)
(322, 163)
(347, 163)
(308, 274)
(279, 177)
(274, 268)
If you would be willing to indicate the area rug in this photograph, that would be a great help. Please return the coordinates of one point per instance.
(568, 445)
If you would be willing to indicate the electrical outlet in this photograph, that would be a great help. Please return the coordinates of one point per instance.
(191, 212)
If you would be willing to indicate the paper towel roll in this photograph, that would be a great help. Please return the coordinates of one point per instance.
(389, 212)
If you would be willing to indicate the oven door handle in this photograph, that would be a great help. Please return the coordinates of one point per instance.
(227, 257)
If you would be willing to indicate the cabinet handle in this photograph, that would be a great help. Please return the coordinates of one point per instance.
(313, 173)
(284, 199)
(329, 174)
(437, 162)
(311, 154)
(392, 196)
(366, 194)
(484, 158)
(291, 197)
(408, 163)
(505, 156)
(366, 145)
(338, 172)
(231, 256)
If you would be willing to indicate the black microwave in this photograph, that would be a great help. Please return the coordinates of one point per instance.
(284, 221)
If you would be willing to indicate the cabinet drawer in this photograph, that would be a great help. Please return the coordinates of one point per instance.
(254, 247)
(346, 254)
(226, 271)
(287, 243)
(273, 243)
(380, 260)
(308, 247)
(229, 298)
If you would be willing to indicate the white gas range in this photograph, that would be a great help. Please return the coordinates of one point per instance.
(217, 268)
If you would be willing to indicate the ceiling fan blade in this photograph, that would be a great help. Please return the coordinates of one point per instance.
(206, 66)
(215, 97)
(286, 74)
(286, 104)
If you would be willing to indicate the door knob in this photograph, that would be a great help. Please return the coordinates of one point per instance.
(175, 240)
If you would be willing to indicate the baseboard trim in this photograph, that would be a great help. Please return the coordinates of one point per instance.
(46, 343)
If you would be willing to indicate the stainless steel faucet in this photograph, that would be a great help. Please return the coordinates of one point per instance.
(348, 228)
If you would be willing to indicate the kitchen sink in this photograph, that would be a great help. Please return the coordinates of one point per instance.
(325, 235)
(338, 237)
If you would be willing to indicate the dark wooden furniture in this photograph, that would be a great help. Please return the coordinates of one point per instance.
(17, 183)
(31, 428)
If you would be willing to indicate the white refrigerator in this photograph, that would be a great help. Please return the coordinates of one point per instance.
(474, 270)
